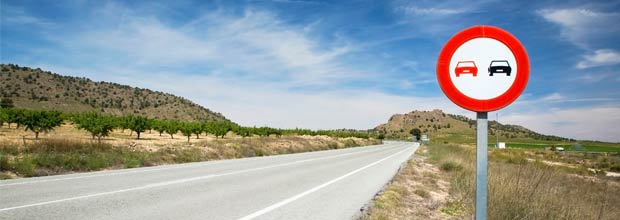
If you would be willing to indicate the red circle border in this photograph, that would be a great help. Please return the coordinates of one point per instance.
(478, 105)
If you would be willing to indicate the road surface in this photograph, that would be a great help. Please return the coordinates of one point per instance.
(332, 184)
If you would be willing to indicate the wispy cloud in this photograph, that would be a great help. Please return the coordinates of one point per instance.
(592, 77)
(579, 123)
(602, 57)
(546, 101)
(17, 16)
(552, 97)
(256, 42)
(582, 26)
(292, 1)
(415, 10)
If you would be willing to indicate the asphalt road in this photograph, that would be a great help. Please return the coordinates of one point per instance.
(332, 184)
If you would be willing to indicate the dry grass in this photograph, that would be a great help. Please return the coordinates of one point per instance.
(68, 150)
(417, 192)
(519, 189)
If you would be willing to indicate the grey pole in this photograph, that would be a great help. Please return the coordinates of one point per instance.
(497, 130)
(481, 165)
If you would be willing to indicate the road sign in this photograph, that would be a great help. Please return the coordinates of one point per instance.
(483, 68)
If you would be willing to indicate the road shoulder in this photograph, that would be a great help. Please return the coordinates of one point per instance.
(418, 191)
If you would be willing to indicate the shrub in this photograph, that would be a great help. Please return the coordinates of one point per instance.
(24, 166)
(350, 143)
(451, 166)
(422, 193)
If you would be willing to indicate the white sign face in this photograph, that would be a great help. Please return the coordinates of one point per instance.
(483, 68)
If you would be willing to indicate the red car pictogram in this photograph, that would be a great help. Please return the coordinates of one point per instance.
(466, 67)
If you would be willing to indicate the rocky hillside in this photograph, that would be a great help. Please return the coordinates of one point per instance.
(439, 125)
(38, 89)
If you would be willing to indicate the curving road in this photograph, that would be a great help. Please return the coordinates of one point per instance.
(332, 184)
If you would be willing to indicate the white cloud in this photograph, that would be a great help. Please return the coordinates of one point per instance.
(256, 45)
(553, 97)
(595, 123)
(546, 102)
(16, 16)
(415, 10)
(582, 26)
(602, 57)
(592, 77)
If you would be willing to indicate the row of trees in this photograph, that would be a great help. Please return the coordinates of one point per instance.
(35, 121)
(101, 125)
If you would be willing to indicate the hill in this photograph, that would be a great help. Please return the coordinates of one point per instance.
(43, 90)
(455, 128)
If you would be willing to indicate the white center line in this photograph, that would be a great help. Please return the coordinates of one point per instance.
(298, 196)
(166, 183)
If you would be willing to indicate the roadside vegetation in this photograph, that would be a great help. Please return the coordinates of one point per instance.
(523, 184)
(57, 156)
(94, 141)
(418, 191)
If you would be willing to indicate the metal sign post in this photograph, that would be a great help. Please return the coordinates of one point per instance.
(481, 165)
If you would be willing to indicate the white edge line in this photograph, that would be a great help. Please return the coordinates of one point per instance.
(176, 181)
(298, 196)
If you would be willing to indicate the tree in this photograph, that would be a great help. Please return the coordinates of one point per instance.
(159, 126)
(6, 103)
(381, 136)
(196, 129)
(3, 117)
(242, 131)
(416, 132)
(40, 121)
(219, 128)
(171, 128)
(138, 124)
(96, 124)
(13, 116)
(123, 122)
(187, 130)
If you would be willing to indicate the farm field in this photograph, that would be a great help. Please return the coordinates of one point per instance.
(587, 147)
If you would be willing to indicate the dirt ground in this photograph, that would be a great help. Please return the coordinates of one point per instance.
(418, 192)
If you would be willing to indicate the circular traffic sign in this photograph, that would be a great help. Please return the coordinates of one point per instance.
(483, 68)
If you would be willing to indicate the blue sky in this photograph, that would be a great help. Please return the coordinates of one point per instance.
(318, 64)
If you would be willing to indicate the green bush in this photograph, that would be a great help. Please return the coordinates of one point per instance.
(350, 143)
(25, 166)
(4, 162)
(451, 166)
(96, 161)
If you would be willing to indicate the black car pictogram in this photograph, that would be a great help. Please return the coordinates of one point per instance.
(499, 66)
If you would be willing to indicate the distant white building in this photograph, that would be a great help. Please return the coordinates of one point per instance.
(425, 138)
(501, 145)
